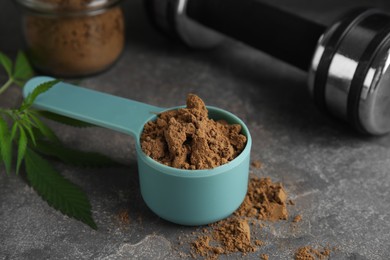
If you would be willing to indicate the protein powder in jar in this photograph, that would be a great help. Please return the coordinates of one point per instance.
(72, 38)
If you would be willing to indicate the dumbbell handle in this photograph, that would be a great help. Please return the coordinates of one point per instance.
(281, 34)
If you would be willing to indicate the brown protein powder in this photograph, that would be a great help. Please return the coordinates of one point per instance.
(265, 200)
(73, 40)
(228, 236)
(188, 139)
(264, 257)
(309, 253)
(297, 218)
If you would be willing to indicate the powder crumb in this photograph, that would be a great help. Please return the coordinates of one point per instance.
(264, 257)
(123, 216)
(291, 202)
(297, 218)
(256, 164)
(310, 253)
(265, 200)
(259, 242)
(188, 139)
(261, 225)
(183, 255)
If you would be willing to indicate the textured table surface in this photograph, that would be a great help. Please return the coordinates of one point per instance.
(339, 181)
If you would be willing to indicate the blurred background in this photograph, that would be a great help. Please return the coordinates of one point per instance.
(339, 180)
(139, 30)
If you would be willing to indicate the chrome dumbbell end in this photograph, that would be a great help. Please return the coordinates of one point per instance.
(349, 74)
(169, 17)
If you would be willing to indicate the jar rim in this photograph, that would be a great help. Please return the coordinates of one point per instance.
(52, 8)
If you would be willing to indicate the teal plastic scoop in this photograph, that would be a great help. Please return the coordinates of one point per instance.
(188, 197)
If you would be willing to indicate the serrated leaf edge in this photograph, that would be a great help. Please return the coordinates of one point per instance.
(31, 161)
(5, 145)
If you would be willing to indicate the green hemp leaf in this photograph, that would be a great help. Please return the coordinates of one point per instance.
(22, 69)
(34, 141)
(5, 145)
(17, 74)
(56, 190)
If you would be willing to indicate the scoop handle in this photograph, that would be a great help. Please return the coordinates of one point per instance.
(101, 109)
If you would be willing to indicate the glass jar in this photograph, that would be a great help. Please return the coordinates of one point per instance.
(72, 38)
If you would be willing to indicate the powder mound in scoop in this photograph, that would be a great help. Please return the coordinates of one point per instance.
(187, 139)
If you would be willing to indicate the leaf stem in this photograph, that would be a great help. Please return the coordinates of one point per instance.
(6, 85)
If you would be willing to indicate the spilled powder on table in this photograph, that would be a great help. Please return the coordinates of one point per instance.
(232, 235)
(264, 257)
(187, 138)
(297, 218)
(265, 200)
(310, 253)
(256, 164)
(123, 216)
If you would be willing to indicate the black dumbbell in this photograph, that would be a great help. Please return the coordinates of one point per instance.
(347, 63)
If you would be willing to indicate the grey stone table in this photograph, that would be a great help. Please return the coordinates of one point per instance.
(339, 180)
